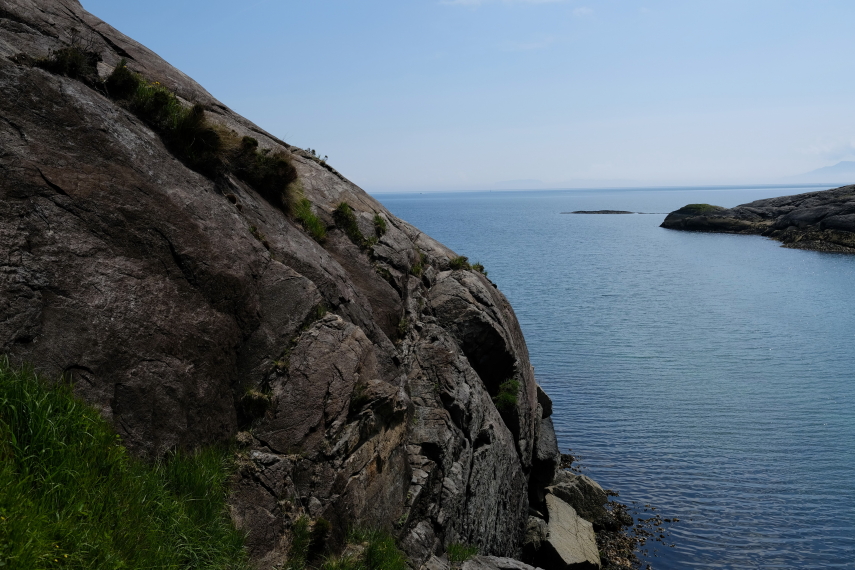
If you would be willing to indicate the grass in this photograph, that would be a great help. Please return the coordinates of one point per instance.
(506, 399)
(461, 262)
(379, 549)
(479, 268)
(380, 226)
(302, 211)
(403, 327)
(257, 234)
(71, 496)
(460, 552)
(345, 219)
(419, 266)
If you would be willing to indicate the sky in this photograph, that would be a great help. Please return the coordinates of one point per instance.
(479, 94)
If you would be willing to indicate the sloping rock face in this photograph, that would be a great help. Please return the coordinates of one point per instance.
(190, 310)
(819, 221)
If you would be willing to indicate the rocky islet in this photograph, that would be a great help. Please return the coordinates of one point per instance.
(818, 221)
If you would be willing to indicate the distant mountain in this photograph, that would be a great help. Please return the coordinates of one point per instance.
(843, 172)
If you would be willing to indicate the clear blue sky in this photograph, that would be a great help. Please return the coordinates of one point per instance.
(432, 94)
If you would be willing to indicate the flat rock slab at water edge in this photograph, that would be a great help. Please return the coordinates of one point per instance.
(570, 542)
(819, 221)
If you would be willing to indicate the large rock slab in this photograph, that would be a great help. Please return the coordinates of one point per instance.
(494, 563)
(570, 542)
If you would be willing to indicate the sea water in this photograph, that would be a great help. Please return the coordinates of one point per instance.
(711, 376)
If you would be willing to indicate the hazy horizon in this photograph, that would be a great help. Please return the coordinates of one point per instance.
(478, 93)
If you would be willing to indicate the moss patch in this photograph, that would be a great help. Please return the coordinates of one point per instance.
(699, 209)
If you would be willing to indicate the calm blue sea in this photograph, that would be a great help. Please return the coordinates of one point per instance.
(712, 376)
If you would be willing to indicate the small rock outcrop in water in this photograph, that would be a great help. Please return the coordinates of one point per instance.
(360, 375)
(819, 221)
(599, 212)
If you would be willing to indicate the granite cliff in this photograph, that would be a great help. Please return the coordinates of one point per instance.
(819, 221)
(369, 376)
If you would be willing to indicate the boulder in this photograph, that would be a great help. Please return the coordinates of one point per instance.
(544, 463)
(582, 493)
(545, 402)
(570, 542)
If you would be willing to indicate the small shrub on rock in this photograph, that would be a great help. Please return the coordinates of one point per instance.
(506, 399)
(461, 262)
(479, 268)
(77, 61)
(122, 83)
(380, 226)
(270, 173)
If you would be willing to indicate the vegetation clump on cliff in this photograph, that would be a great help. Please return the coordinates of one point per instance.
(77, 60)
(506, 399)
(345, 219)
(71, 495)
(370, 549)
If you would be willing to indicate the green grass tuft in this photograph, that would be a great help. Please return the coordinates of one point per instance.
(380, 226)
(460, 552)
(301, 540)
(461, 262)
(381, 552)
(345, 219)
(71, 496)
(506, 399)
(479, 268)
(310, 222)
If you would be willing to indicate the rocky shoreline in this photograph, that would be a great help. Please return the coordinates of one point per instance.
(817, 221)
(367, 373)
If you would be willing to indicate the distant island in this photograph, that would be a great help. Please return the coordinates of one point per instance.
(599, 212)
(607, 212)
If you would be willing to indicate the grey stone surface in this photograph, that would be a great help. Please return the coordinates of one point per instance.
(494, 563)
(536, 534)
(149, 287)
(570, 542)
(545, 402)
(820, 221)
